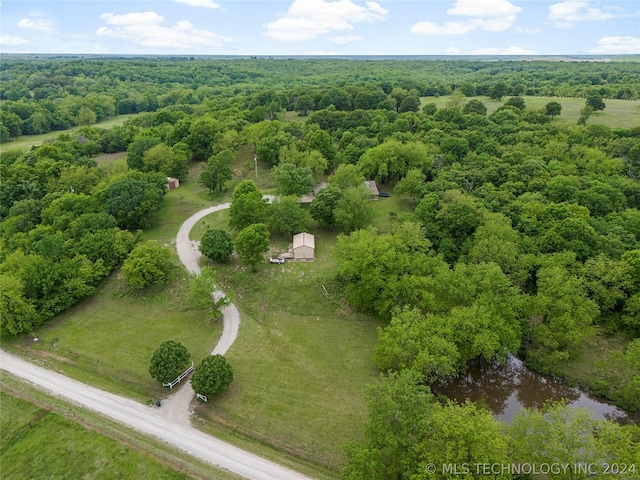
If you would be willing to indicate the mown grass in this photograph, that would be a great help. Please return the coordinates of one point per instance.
(108, 339)
(617, 114)
(302, 360)
(79, 443)
(25, 142)
(36, 443)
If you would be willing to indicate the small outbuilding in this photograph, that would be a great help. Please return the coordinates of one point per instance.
(172, 183)
(304, 246)
(373, 189)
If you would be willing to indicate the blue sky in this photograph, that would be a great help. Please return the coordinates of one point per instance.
(320, 27)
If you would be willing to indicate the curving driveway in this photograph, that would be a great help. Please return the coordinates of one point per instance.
(170, 423)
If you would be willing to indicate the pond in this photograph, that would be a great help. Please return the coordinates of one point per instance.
(505, 389)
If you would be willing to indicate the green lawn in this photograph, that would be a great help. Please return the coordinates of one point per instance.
(617, 114)
(37, 443)
(25, 142)
(303, 357)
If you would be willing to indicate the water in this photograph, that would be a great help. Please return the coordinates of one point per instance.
(505, 389)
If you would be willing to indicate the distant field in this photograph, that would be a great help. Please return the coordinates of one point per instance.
(37, 443)
(25, 142)
(617, 114)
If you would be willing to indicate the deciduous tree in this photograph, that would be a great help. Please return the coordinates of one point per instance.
(168, 361)
(252, 243)
(147, 264)
(212, 375)
(216, 244)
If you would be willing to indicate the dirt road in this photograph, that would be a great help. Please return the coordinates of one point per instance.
(171, 422)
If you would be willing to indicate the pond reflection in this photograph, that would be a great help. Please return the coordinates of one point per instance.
(505, 389)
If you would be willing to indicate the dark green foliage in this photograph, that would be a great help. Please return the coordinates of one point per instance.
(216, 244)
(553, 109)
(218, 171)
(212, 375)
(287, 216)
(169, 360)
(247, 206)
(293, 180)
(323, 206)
(147, 264)
(133, 200)
(252, 243)
(595, 102)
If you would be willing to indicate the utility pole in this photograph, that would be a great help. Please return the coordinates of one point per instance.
(255, 162)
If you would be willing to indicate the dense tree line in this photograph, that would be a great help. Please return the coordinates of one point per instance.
(41, 94)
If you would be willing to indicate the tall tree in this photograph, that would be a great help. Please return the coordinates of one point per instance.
(252, 243)
(293, 180)
(216, 244)
(212, 375)
(147, 264)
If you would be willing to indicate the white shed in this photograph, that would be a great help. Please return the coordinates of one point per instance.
(304, 246)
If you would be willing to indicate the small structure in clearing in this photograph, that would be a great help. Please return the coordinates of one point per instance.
(303, 246)
(172, 183)
(373, 189)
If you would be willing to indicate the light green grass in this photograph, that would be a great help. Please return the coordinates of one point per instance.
(25, 142)
(108, 339)
(303, 357)
(617, 114)
(80, 434)
(41, 444)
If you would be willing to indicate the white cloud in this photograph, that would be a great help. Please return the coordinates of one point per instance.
(487, 15)
(199, 3)
(449, 28)
(146, 29)
(134, 19)
(528, 31)
(484, 8)
(308, 19)
(452, 51)
(567, 14)
(617, 45)
(42, 25)
(13, 41)
(345, 40)
(503, 51)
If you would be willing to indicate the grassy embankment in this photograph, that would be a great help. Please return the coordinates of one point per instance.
(25, 142)
(617, 114)
(46, 437)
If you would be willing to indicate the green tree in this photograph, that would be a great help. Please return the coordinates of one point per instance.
(475, 106)
(497, 91)
(218, 171)
(17, 314)
(595, 102)
(410, 103)
(212, 375)
(147, 264)
(216, 244)
(303, 104)
(168, 361)
(252, 243)
(553, 109)
(133, 200)
(354, 209)
(412, 184)
(137, 149)
(203, 294)
(561, 316)
(517, 102)
(247, 206)
(203, 138)
(86, 116)
(287, 216)
(400, 409)
(292, 180)
(346, 176)
(323, 206)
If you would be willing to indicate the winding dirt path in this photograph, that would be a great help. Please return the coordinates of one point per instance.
(170, 423)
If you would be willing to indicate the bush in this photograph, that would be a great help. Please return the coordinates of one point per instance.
(169, 360)
(211, 376)
(147, 264)
(216, 244)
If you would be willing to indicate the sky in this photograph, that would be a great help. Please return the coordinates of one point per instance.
(320, 27)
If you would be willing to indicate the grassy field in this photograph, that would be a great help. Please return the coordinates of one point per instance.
(25, 142)
(303, 357)
(46, 437)
(37, 443)
(617, 114)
